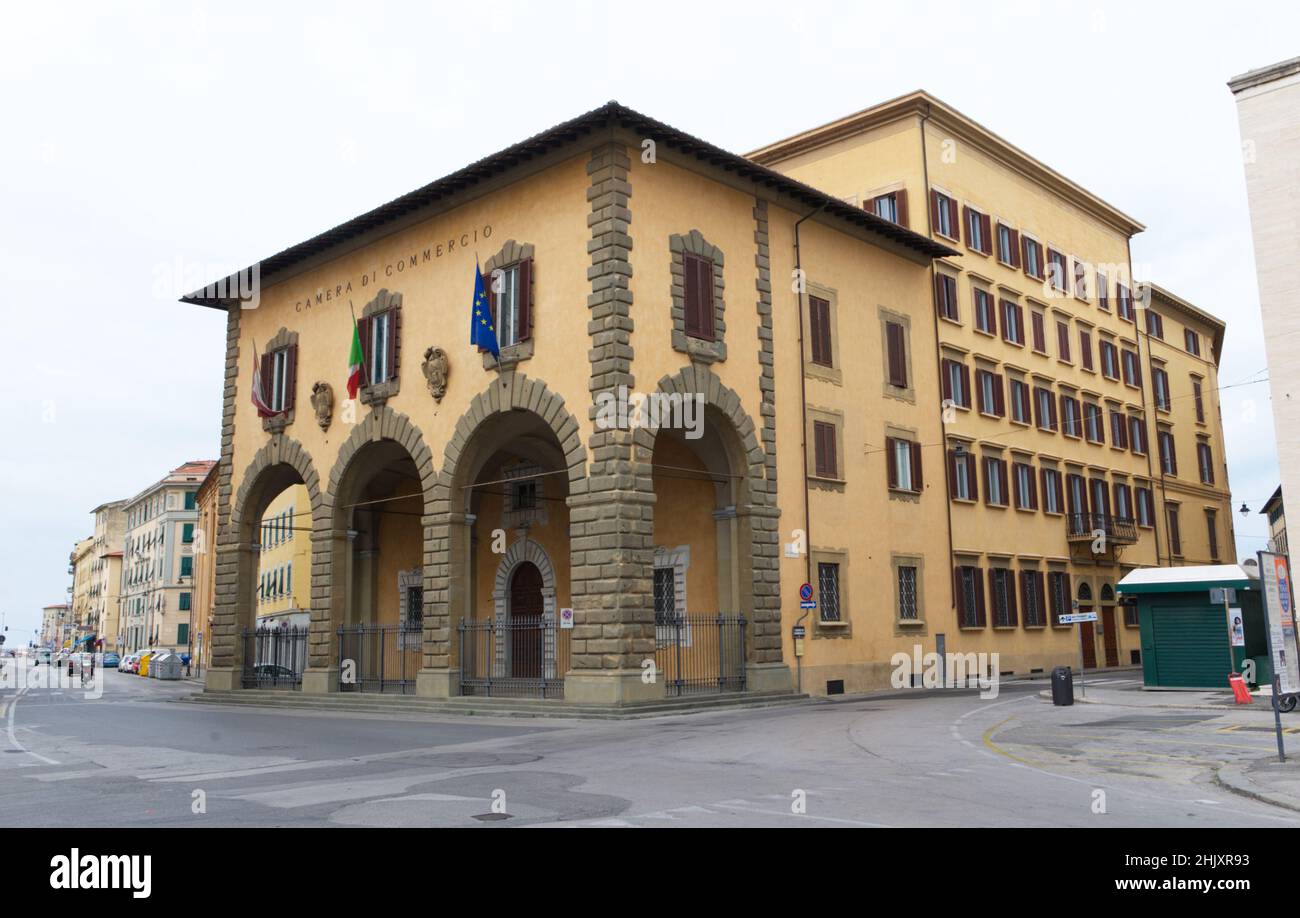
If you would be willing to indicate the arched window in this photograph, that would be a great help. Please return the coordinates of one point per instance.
(1085, 592)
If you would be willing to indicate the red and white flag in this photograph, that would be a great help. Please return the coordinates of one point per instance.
(259, 396)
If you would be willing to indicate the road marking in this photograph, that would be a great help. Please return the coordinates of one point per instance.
(13, 739)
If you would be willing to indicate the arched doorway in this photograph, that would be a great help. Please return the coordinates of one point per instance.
(525, 617)
(274, 507)
(1087, 634)
(702, 584)
(377, 537)
(1109, 633)
(509, 553)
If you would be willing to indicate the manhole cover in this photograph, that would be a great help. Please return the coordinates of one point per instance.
(492, 817)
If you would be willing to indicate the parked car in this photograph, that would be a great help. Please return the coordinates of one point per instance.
(111, 659)
(42, 656)
(128, 663)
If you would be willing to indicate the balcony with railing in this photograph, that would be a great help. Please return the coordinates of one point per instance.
(1085, 527)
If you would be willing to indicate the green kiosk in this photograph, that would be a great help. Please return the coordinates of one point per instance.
(1187, 636)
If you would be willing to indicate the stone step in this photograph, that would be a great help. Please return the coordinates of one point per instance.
(491, 707)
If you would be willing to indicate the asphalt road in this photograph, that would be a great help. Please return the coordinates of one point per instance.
(137, 756)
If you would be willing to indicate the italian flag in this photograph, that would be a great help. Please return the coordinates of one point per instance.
(354, 363)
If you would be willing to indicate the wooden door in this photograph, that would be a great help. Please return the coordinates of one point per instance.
(1088, 640)
(526, 622)
(1110, 637)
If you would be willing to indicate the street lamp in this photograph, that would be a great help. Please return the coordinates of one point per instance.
(1244, 511)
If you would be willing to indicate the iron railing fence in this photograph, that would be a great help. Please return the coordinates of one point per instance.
(700, 654)
(524, 658)
(380, 658)
(274, 657)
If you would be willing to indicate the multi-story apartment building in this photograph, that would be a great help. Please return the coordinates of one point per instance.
(1080, 409)
(158, 562)
(845, 416)
(284, 574)
(81, 563)
(1268, 113)
(205, 571)
(106, 582)
(55, 619)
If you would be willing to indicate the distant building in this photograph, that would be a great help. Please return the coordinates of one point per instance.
(284, 576)
(205, 572)
(158, 562)
(1276, 522)
(1268, 111)
(81, 565)
(106, 576)
(54, 619)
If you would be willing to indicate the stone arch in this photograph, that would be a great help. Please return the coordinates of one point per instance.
(383, 423)
(523, 550)
(382, 428)
(280, 463)
(448, 527)
(755, 533)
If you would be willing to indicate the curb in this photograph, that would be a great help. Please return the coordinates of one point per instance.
(1233, 778)
(1226, 709)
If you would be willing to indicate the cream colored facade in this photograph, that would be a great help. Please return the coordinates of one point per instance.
(106, 576)
(157, 566)
(284, 577)
(55, 620)
(944, 175)
(81, 563)
(1268, 112)
(456, 495)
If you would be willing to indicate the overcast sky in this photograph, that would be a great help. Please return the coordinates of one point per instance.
(151, 147)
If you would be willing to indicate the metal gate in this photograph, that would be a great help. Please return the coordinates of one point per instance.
(700, 654)
(380, 658)
(517, 659)
(274, 657)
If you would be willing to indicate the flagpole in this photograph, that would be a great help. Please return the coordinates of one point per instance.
(496, 358)
(365, 370)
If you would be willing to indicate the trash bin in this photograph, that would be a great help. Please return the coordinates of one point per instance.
(1062, 686)
(165, 666)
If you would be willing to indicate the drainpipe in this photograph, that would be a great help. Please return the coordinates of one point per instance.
(803, 435)
(938, 365)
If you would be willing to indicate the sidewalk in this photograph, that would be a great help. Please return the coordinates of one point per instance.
(1266, 780)
(1128, 692)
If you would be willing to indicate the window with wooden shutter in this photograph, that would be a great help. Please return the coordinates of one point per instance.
(1085, 349)
(1206, 461)
(698, 296)
(1175, 535)
(1198, 400)
(525, 299)
(819, 331)
(1063, 341)
(903, 462)
(896, 354)
(826, 463)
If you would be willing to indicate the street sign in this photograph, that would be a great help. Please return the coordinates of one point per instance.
(800, 631)
(566, 618)
(1074, 618)
(806, 592)
(808, 605)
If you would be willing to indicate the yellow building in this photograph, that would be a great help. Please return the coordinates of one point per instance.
(106, 576)
(598, 514)
(81, 564)
(284, 576)
(1080, 407)
(205, 572)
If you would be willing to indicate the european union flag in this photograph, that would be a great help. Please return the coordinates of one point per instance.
(482, 331)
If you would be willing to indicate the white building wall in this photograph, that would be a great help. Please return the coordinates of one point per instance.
(1268, 111)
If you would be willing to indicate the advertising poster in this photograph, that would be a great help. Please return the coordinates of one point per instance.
(1279, 607)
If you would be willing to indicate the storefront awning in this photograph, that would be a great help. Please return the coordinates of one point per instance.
(1187, 579)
